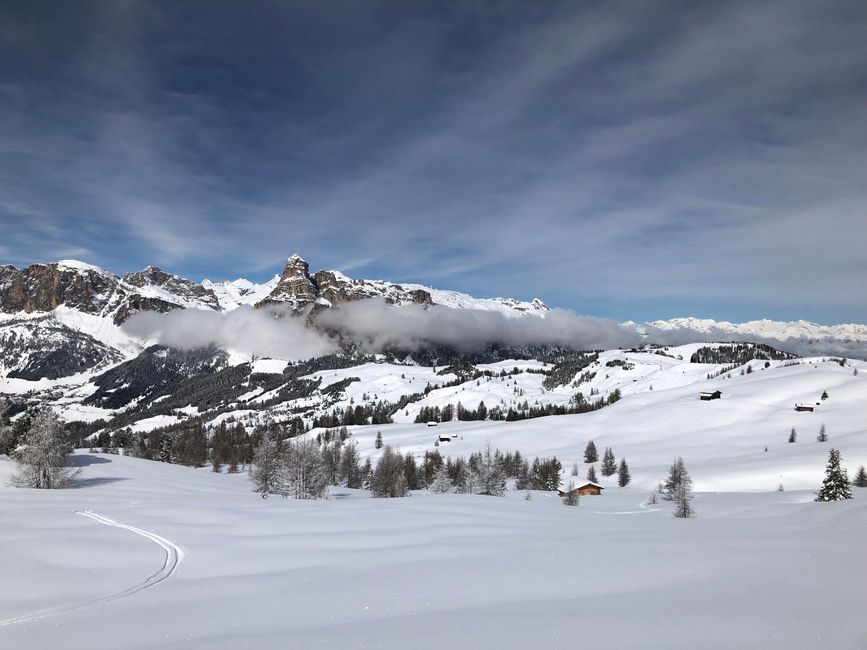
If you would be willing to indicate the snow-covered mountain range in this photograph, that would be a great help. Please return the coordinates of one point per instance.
(64, 318)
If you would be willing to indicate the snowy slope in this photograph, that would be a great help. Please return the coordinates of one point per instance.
(723, 441)
(771, 571)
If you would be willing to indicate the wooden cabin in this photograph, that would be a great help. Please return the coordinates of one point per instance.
(445, 439)
(804, 407)
(581, 488)
(707, 395)
(433, 423)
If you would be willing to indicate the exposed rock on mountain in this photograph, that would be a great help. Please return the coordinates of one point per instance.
(299, 289)
(43, 287)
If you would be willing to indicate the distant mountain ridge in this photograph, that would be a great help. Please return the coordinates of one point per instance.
(92, 290)
(63, 318)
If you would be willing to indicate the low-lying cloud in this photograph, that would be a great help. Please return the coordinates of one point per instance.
(267, 333)
(374, 325)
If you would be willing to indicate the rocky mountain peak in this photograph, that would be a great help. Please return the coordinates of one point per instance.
(296, 266)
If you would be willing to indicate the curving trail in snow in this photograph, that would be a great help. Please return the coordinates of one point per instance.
(173, 558)
(642, 505)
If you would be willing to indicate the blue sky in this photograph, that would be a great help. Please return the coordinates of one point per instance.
(621, 159)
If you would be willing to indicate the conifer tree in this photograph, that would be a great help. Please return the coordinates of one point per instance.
(305, 475)
(609, 464)
(677, 475)
(571, 497)
(388, 479)
(590, 453)
(836, 486)
(683, 501)
(441, 482)
(793, 437)
(378, 443)
(266, 472)
(623, 476)
(43, 454)
(490, 478)
(350, 471)
(823, 434)
(591, 474)
(860, 478)
(166, 443)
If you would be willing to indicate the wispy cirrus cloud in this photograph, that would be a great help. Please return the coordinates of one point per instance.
(626, 160)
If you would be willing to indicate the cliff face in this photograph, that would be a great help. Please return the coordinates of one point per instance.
(43, 287)
(299, 289)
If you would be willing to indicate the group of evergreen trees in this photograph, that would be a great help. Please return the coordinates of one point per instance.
(821, 437)
(609, 465)
(524, 411)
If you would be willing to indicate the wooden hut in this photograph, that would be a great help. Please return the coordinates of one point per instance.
(804, 407)
(581, 488)
(707, 395)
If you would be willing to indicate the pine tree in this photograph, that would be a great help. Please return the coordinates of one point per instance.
(441, 483)
(574, 469)
(609, 464)
(571, 498)
(166, 443)
(590, 453)
(490, 478)
(378, 443)
(267, 469)
(350, 471)
(836, 486)
(388, 478)
(860, 478)
(305, 475)
(591, 474)
(824, 394)
(793, 437)
(823, 434)
(683, 501)
(623, 476)
(677, 475)
(43, 454)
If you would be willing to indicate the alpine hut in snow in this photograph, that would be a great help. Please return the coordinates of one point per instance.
(707, 395)
(580, 487)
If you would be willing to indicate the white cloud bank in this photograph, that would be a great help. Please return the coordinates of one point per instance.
(374, 325)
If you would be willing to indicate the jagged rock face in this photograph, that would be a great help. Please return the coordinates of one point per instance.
(298, 289)
(127, 305)
(174, 285)
(43, 287)
(336, 288)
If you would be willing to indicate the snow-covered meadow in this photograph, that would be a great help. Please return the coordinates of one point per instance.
(771, 570)
(142, 554)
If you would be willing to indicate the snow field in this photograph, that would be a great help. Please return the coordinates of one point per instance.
(772, 570)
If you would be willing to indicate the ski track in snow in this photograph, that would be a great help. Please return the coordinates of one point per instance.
(173, 558)
(642, 505)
